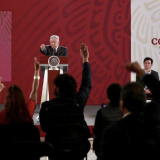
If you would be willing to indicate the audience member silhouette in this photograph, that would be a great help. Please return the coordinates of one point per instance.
(67, 109)
(107, 115)
(133, 137)
(15, 107)
(16, 117)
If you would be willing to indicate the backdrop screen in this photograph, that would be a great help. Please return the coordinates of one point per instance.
(103, 25)
(5, 45)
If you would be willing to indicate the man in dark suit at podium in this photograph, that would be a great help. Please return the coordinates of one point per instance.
(53, 49)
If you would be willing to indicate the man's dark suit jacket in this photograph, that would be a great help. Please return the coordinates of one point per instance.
(136, 136)
(104, 117)
(61, 51)
(153, 73)
(139, 80)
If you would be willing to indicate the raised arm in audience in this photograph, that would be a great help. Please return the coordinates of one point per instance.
(1, 84)
(33, 94)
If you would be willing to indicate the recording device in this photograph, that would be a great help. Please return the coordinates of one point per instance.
(103, 105)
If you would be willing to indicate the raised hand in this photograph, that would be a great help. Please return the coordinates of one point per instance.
(135, 67)
(84, 52)
(36, 64)
(42, 46)
(1, 85)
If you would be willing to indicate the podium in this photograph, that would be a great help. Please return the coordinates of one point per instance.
(50, 73)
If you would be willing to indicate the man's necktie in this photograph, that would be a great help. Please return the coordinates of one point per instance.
(55, 52)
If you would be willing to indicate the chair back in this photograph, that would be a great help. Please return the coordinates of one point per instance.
(70, 141)
(67, 130)
(22, 141)
(19, 132)
(26, 150)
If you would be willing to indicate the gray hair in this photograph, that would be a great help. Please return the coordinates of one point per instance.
(54, 36)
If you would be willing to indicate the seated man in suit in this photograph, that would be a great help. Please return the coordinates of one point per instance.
(53, 49)
(147, 62)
